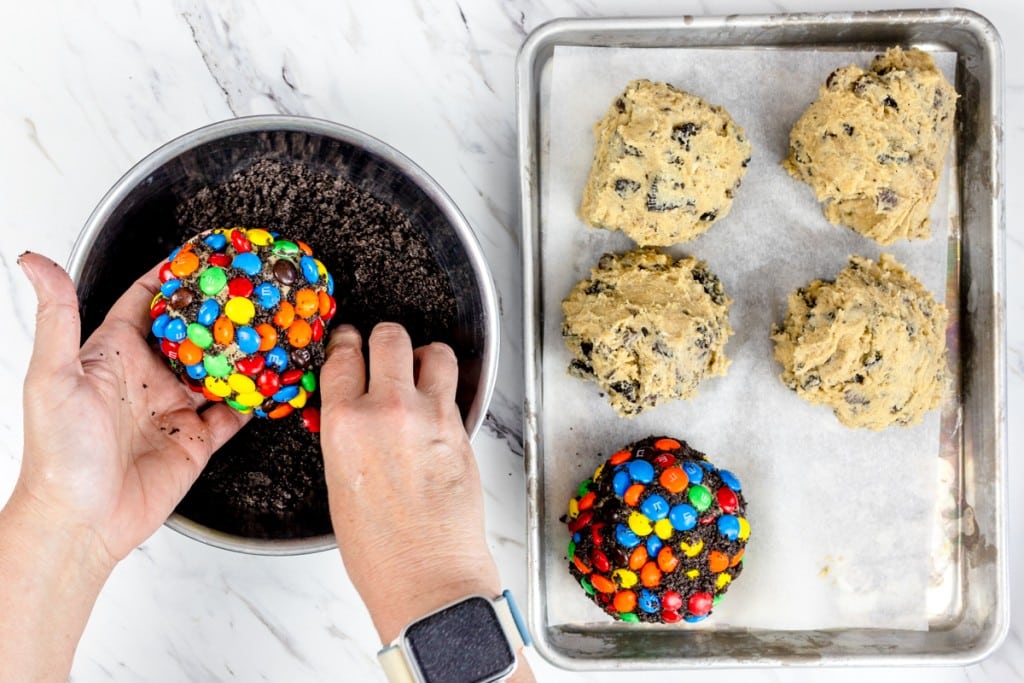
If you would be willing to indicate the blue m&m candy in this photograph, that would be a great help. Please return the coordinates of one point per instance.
(287, 393)
(640, 471)
(683, 517)
(621, 482)
(247, 262)
(248, 339)
(159, 326)
(197, 371)
(309, 269)
(267, 295)
(729, 526)
(176, 330)
(208, 312)
(215, 241)
(277, 359)
(624, 536)
(730, 480)
(649, 602)
(170, 287)
(655, 507)
(693, 472)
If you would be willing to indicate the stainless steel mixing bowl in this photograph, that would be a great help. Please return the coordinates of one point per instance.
(142, 202)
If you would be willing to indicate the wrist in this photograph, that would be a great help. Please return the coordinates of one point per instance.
(36, 530)
(50, 576)
(397, 595)
(414, 570)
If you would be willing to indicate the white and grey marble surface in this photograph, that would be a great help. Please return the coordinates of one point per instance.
(90, 88)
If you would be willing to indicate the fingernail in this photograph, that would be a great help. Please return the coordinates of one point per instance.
(344, 335)
(447, 349)
(25, 267)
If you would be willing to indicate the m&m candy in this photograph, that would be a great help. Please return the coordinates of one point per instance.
(658, 533)
(241, 316)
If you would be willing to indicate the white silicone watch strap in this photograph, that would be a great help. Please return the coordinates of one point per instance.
(508, 623)
(396, 667)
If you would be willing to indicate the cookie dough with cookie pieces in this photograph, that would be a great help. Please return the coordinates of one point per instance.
(666, 165)
(873, 145)
(871, 345)
(647, 328)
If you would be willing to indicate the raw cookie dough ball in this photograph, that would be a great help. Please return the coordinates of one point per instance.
(871, 345)
(647, 328)
(666, 165)
(873, 144)
(241, 316)
(658, 534)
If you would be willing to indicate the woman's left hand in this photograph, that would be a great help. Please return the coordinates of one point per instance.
(113, 439)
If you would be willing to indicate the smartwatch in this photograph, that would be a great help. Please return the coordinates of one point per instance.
(473, 640)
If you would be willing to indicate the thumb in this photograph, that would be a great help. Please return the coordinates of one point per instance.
(58, 327)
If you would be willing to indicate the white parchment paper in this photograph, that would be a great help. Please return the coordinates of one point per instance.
(841, 519)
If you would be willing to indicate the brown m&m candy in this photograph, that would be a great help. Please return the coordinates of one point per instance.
(658, 533)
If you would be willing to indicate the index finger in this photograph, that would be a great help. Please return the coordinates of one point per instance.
(343, 375)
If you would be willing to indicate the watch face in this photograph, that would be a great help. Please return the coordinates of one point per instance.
(463, 643)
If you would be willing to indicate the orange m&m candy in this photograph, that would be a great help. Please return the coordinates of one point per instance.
(223, 331)
(625, 601)
(674, 479)
(718, 561)
(184, 264)
(307, 303)
(638, 558)
(632, 495)
(650, 575)
(189, 353)
(284, 316)
(602, 583)
(300, 334)
(268, 336)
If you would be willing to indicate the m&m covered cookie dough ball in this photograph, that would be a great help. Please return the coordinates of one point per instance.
(241, 317)
(658, 533)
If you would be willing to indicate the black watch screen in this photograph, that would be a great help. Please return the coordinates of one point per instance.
(463, 643)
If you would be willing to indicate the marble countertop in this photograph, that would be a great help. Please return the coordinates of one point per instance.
(89, 89)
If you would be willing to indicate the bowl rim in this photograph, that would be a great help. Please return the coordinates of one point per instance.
(330, 129)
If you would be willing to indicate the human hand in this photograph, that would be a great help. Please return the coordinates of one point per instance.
(113, 440)
(404, 489)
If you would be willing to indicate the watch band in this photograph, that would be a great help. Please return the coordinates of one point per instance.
(396, 664)
(512, 621)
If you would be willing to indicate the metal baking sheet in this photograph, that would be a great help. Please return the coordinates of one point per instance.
(967, 604)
